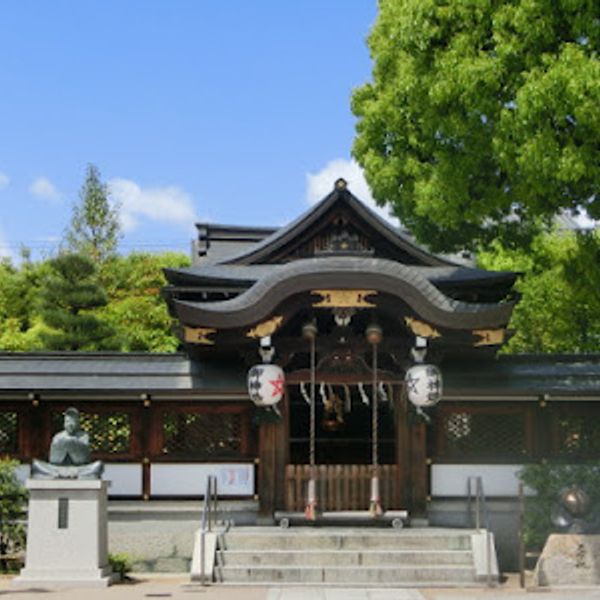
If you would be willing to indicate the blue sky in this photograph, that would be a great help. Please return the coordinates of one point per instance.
(228, 111)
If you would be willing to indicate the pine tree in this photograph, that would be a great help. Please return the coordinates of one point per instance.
(69, 295)
(95, 228)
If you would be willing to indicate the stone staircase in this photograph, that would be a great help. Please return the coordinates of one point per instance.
(351, 556)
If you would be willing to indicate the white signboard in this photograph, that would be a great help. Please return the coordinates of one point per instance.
(189, 479)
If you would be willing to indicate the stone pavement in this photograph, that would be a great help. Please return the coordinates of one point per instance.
(179, 588)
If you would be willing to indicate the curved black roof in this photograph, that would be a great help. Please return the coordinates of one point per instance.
(249, 274)
(344, 272)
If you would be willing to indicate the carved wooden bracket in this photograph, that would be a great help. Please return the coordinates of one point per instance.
(344, 298)
(266, 328)
(198, 335)
(489, 337)
(421, 328)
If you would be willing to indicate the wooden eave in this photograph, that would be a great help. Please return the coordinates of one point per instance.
(302, 276)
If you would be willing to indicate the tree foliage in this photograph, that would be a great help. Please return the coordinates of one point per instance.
(20, 321)
(13, 497)
(547, 480)
(559, 309)
(135, 310)
(95, 228)
(481, 121)
(68, 295)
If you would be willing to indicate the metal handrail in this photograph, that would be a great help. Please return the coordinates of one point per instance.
(481, 511)
(209, 512)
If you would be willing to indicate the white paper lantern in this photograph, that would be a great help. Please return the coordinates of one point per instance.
(424, 385)
(265, 384)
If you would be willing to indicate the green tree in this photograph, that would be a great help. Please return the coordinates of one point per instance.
(481, 121)
(95, 228)
(548, 480)
(20, 321)
(13, 497)
(136, 309)
(68, 298)
(559, 309)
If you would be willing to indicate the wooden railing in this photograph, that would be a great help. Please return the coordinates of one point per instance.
(341, 487)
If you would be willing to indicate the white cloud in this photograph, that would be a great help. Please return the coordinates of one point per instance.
(320, 184)
(44, 189)
(4, 180)
(168, 204)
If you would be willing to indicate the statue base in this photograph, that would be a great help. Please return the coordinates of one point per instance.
(67, 534)
(569, 559)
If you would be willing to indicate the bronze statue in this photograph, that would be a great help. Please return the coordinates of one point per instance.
(70, 456)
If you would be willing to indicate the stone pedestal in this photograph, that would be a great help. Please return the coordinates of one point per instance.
(67, 534)
(569, 559)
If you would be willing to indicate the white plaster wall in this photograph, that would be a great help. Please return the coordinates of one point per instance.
(188, 479)
(498, 480)
(125, 478)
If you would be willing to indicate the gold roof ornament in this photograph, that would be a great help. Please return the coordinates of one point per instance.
(489, 337)
(266, 328)
(421, 328)
(344, 298)
(198, 335)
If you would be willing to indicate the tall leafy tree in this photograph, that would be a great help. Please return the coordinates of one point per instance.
(69, 296)
(481, 121)
(20, 322)
(136, 309)
(559, 310)
(95, 228)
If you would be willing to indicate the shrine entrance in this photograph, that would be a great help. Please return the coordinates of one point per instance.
(343, 451)
(341, 307)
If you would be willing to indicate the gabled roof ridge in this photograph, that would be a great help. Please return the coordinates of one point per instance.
(340, 193)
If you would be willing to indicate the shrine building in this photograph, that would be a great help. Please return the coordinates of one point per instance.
(307, 298)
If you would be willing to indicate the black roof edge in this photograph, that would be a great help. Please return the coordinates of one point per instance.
(283, 235)
(41, 354)
(218, 231)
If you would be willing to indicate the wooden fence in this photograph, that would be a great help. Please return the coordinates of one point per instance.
(341, 487)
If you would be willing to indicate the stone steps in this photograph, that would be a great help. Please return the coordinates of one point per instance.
(352, 556)
(341, 558)
(300, 540)
(348, 575)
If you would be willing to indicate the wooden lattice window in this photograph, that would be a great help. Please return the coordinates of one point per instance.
(481, 435)
(9, 432)
(110, 432)
(202, 434)
(578, 436)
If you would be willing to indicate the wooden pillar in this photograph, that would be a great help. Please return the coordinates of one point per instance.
(266, 470)
(419, 479)
(402, 431)
(151, 442)
(273, 454)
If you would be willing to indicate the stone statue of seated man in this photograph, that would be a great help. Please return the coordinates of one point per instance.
(70, 456)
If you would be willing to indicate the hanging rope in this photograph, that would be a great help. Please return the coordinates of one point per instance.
(311, 501)
(374, 337)
(313, 429)
(374, 413)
